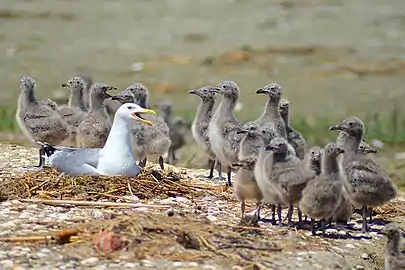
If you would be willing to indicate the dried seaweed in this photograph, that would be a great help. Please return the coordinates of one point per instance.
(151, 183)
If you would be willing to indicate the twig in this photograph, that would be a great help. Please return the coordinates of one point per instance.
(43, 183)
(226, 246)
(33, 238)
(28, 189)
(99, 204)
(130, 189)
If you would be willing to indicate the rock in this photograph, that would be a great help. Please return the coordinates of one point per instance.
(32, 207)
(365, 256)
(212, 218)
(92, 261)
(351, 246)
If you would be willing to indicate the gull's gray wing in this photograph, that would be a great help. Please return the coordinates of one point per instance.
(76, 161)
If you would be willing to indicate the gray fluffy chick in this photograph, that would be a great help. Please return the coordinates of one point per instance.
(294, 137)
(94, 129)
(393, 258)
(38, 120)
(368, 185)
(322, 195)
(199, 127)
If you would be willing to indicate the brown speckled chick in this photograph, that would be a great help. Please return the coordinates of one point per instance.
(294, 137)
(74, 112)
(322, 195)
(95, 127)
(368, 185)
(38, 120)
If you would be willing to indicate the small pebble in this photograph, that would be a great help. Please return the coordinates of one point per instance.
(170, 212)
(365, 256)
(32, 206)
(92, 261)
(350, 246)
(342, 232)
(193, 264)
(212, 218)
(6, 263)
(177, 264)
(358, 267)
(331, 231)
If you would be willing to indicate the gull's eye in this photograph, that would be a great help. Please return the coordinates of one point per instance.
(130, 107)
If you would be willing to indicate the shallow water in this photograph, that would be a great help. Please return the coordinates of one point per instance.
(330, 56)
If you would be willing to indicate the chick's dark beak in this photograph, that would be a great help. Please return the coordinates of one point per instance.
(270, 148)
(64, 85)
(215, 90)
(261, 91)
(335, 127)
(241, 131)
(192, 91)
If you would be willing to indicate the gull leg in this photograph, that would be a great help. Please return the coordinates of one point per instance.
(323, 224)
(258, 208)
(273, 214)
(299, 215)
(142, 162)
(364, 221)
(41, 160)
(313, 226)
(219, 169)
(211, 164)
(305, 218)
(170, 158)
(229, 176)
(280, 221)
(242, 208)
(370, 211)
(162, 166)
(289, 215)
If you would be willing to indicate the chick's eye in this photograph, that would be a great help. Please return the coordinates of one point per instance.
(263, 131)
(313, 153)
(280, 144)
(350, 123)
(224, 86)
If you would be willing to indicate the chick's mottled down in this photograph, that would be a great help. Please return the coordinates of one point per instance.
(367, 184)
(94, 129)
(322, 195)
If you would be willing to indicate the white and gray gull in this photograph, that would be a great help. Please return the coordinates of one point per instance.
(115, 158)
(148, 142)
(223, 128)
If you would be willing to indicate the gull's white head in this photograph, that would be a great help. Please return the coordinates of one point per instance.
(131, 111)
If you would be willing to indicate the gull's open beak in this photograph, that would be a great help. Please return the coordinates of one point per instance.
(192, 91)
(261, 91)
(242, 131)
(215, 90)
(270, 148)
(337, 127)
(137, 116)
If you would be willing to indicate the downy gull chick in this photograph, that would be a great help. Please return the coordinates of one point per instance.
(294, 137)
(271, 115)
(322, 195)
(115, 158)
(368, 185)
(245, 184)
(177, 129)
(74, 112)
(199, 128)
(223, 127)
(93, 130)
(38, 120)
(287, 173)
(393, 257)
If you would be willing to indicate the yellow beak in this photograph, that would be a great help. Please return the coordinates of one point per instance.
(137, 116)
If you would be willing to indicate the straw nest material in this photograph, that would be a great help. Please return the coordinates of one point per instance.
(140, 236)
(151, 183)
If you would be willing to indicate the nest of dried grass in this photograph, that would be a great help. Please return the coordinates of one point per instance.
(151, 183)
(392, 209)
(179, 238)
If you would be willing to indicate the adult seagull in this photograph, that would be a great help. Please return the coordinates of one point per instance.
(115, 158)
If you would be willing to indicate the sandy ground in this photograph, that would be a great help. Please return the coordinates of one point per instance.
(211, 217)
